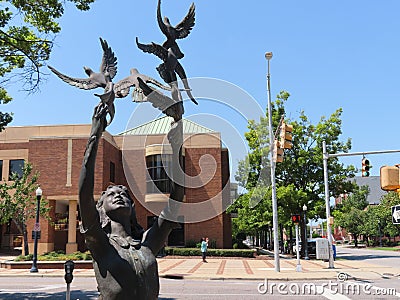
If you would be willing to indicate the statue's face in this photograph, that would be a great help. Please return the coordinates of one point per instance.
(116, 198)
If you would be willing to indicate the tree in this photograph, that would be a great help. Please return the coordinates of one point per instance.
(299, 177)
(27, 31)
(384, 214)
(351, 213)
(371, 224)
(18, 201)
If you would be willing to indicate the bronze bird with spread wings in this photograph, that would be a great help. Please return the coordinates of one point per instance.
(108, 97)
(122, 87)
(170, 66)
(180, 31)
(167, 105)
(95, 80)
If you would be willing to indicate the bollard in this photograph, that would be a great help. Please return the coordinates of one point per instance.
(69, 269)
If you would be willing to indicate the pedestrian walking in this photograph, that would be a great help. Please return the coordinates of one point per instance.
(203, 248)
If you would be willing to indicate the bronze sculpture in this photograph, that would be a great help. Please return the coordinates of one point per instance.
(180, 31)
(169, 106)
(122, 87)
(123, 253)
(95, 80)
(170, 66)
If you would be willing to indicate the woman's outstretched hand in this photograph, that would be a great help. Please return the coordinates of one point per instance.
(99, 121)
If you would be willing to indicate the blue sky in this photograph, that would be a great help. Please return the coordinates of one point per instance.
(327, 55)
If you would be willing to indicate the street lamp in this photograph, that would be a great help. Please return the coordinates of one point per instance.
(305, 233)
(268, 56)
(36, 230)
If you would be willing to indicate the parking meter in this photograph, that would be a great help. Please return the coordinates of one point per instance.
(69, 268)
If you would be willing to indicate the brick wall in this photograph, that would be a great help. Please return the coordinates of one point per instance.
(50, 157)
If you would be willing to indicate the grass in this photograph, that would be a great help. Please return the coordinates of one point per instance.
(385, 248)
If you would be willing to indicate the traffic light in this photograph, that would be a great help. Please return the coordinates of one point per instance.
(390, 178)
(296, 219)
(278, 152)
(365, 167)
(286, 136)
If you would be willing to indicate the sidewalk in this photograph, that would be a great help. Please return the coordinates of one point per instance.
(237, 268)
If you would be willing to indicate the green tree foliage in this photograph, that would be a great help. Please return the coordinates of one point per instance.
(18, 200)
(380, 217)
(27, 31)
(299, 177)
(351, 214)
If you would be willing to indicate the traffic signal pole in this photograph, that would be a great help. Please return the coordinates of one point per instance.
(326, 156)
(268, 56)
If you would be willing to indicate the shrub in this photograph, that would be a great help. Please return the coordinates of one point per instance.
(191, 244)
(238, 244)
(24, 258)
(57, 255)
(212, 244)
(210, 252)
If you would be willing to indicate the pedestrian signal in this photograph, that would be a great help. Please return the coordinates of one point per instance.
(296, 218)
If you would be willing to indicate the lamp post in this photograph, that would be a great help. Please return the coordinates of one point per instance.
(268, 56)
(305, 233)
(36, 229)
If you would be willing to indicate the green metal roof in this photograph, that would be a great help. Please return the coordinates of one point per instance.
(163, 125)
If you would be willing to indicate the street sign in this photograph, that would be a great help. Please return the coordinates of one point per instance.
(36, 227)
(396, 214)
(38, 233)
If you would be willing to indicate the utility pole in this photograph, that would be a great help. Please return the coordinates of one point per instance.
(327, 205)
(326, 156)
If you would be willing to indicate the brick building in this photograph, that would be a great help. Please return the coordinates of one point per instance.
(132, 158)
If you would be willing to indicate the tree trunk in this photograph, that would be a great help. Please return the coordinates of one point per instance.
(355, 240)
(257, 239)
(281, 237)
(25, 234)
(270, 238)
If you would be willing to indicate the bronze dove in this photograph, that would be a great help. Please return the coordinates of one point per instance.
(122, 87)
(167, 105)
(170, 66)
(180, 31)
(108, 97)
(95, 80)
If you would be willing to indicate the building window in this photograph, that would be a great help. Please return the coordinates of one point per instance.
(112, 172)
(157, 179)
(16, 166)
(1, 170)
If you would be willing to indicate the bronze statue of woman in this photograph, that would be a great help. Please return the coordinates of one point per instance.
(123, 254)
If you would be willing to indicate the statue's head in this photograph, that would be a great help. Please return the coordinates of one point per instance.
(114, 202)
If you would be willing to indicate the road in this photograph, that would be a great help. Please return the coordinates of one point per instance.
(84, 288)
(377, 257)
(386, 287)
